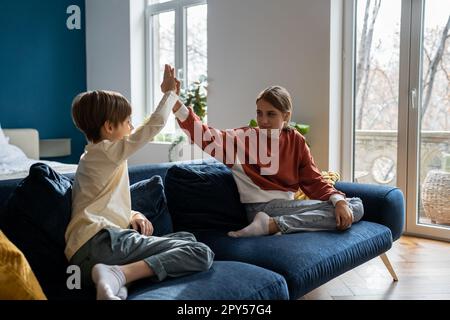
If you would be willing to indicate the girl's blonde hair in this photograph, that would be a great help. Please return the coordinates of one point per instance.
(278, 97)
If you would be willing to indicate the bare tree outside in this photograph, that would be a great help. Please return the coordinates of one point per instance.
(362, 81)
(197, 45)
(376, 82)
(377, 93)
(436, 80)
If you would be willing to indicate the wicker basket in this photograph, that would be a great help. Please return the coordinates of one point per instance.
(436, 196)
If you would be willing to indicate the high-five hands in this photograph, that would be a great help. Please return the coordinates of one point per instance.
(169, 83)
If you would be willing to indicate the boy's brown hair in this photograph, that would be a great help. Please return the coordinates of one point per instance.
(90, 111)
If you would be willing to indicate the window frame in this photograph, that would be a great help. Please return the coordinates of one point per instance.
(348, 88)
(180, 8)
(408, 140)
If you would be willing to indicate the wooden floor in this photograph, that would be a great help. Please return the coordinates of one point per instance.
(422, 266)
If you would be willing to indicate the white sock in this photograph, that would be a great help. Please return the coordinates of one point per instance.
(258, 227)
(123, 293)
(110, 282)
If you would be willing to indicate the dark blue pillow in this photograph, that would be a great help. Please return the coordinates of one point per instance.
(203, 197)
(35, 220)
(148, 198)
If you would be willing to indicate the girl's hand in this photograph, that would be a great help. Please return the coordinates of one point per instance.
(344, 215)
(169, 82)
(141, 224)
(176, 107)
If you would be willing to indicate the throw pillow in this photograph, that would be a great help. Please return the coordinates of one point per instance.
(35, 220)
(203, 197)
(330, 176)
(148, 198)
(12, 155)
(17, 280)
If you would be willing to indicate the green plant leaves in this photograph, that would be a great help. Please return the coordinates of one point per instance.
(302, 128)
(195, 96)
(253, 123)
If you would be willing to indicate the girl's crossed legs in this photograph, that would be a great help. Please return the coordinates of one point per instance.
(288, 216)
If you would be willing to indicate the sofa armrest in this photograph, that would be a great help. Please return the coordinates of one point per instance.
(383, 205)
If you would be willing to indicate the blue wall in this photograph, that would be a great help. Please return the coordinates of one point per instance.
(42, 68)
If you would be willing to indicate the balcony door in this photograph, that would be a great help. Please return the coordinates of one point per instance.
(401, 105)
(428, 120)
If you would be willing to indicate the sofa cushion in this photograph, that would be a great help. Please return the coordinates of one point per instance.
(148, 198)
(35, 220)
(306, 259)
(17, 280)
(203, 197)
(225, 280)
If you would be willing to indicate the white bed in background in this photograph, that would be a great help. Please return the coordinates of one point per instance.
(19, 149)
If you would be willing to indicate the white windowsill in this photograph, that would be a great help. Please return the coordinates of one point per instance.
(160, 142)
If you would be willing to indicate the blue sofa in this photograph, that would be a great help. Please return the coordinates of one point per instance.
(202, 198)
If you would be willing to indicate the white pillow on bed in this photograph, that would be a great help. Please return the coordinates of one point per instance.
(3, 139)
(10, 154)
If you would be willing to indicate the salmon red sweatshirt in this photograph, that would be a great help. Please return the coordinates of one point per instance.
(296, 167)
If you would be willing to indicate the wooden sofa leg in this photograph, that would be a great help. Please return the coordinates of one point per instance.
(388, 265)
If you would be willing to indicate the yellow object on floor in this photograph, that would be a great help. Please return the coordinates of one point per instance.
(17, 280)
(330, 176)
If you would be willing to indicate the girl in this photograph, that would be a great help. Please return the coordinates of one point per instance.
(269, 198)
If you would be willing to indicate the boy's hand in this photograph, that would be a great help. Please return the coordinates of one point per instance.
(169, 81)
(141, 224)
(344, 215)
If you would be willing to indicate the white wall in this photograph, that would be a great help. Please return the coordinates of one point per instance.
(108, 45)
(151, 153)
(115, 46)
(253, 44)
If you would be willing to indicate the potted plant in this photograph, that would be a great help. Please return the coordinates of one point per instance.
(195, 96)
(302, 128)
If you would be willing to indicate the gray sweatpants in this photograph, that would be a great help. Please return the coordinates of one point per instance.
(303, 215)
(172, 255)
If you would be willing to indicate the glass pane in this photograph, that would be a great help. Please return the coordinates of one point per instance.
(376, 90)
(163, 30)
(157, 1)
(196, 43)
(434, 179)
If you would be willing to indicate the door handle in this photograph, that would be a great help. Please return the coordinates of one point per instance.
(413, 98)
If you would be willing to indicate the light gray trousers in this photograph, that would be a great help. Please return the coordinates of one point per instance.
(303, 215)
(172, 255)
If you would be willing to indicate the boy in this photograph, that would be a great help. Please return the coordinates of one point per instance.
(98, 238)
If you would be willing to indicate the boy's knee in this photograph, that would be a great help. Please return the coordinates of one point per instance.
(187, 236)
(205, 254)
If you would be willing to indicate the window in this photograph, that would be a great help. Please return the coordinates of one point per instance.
(377, 65)
(177, 35)
(397, 85)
